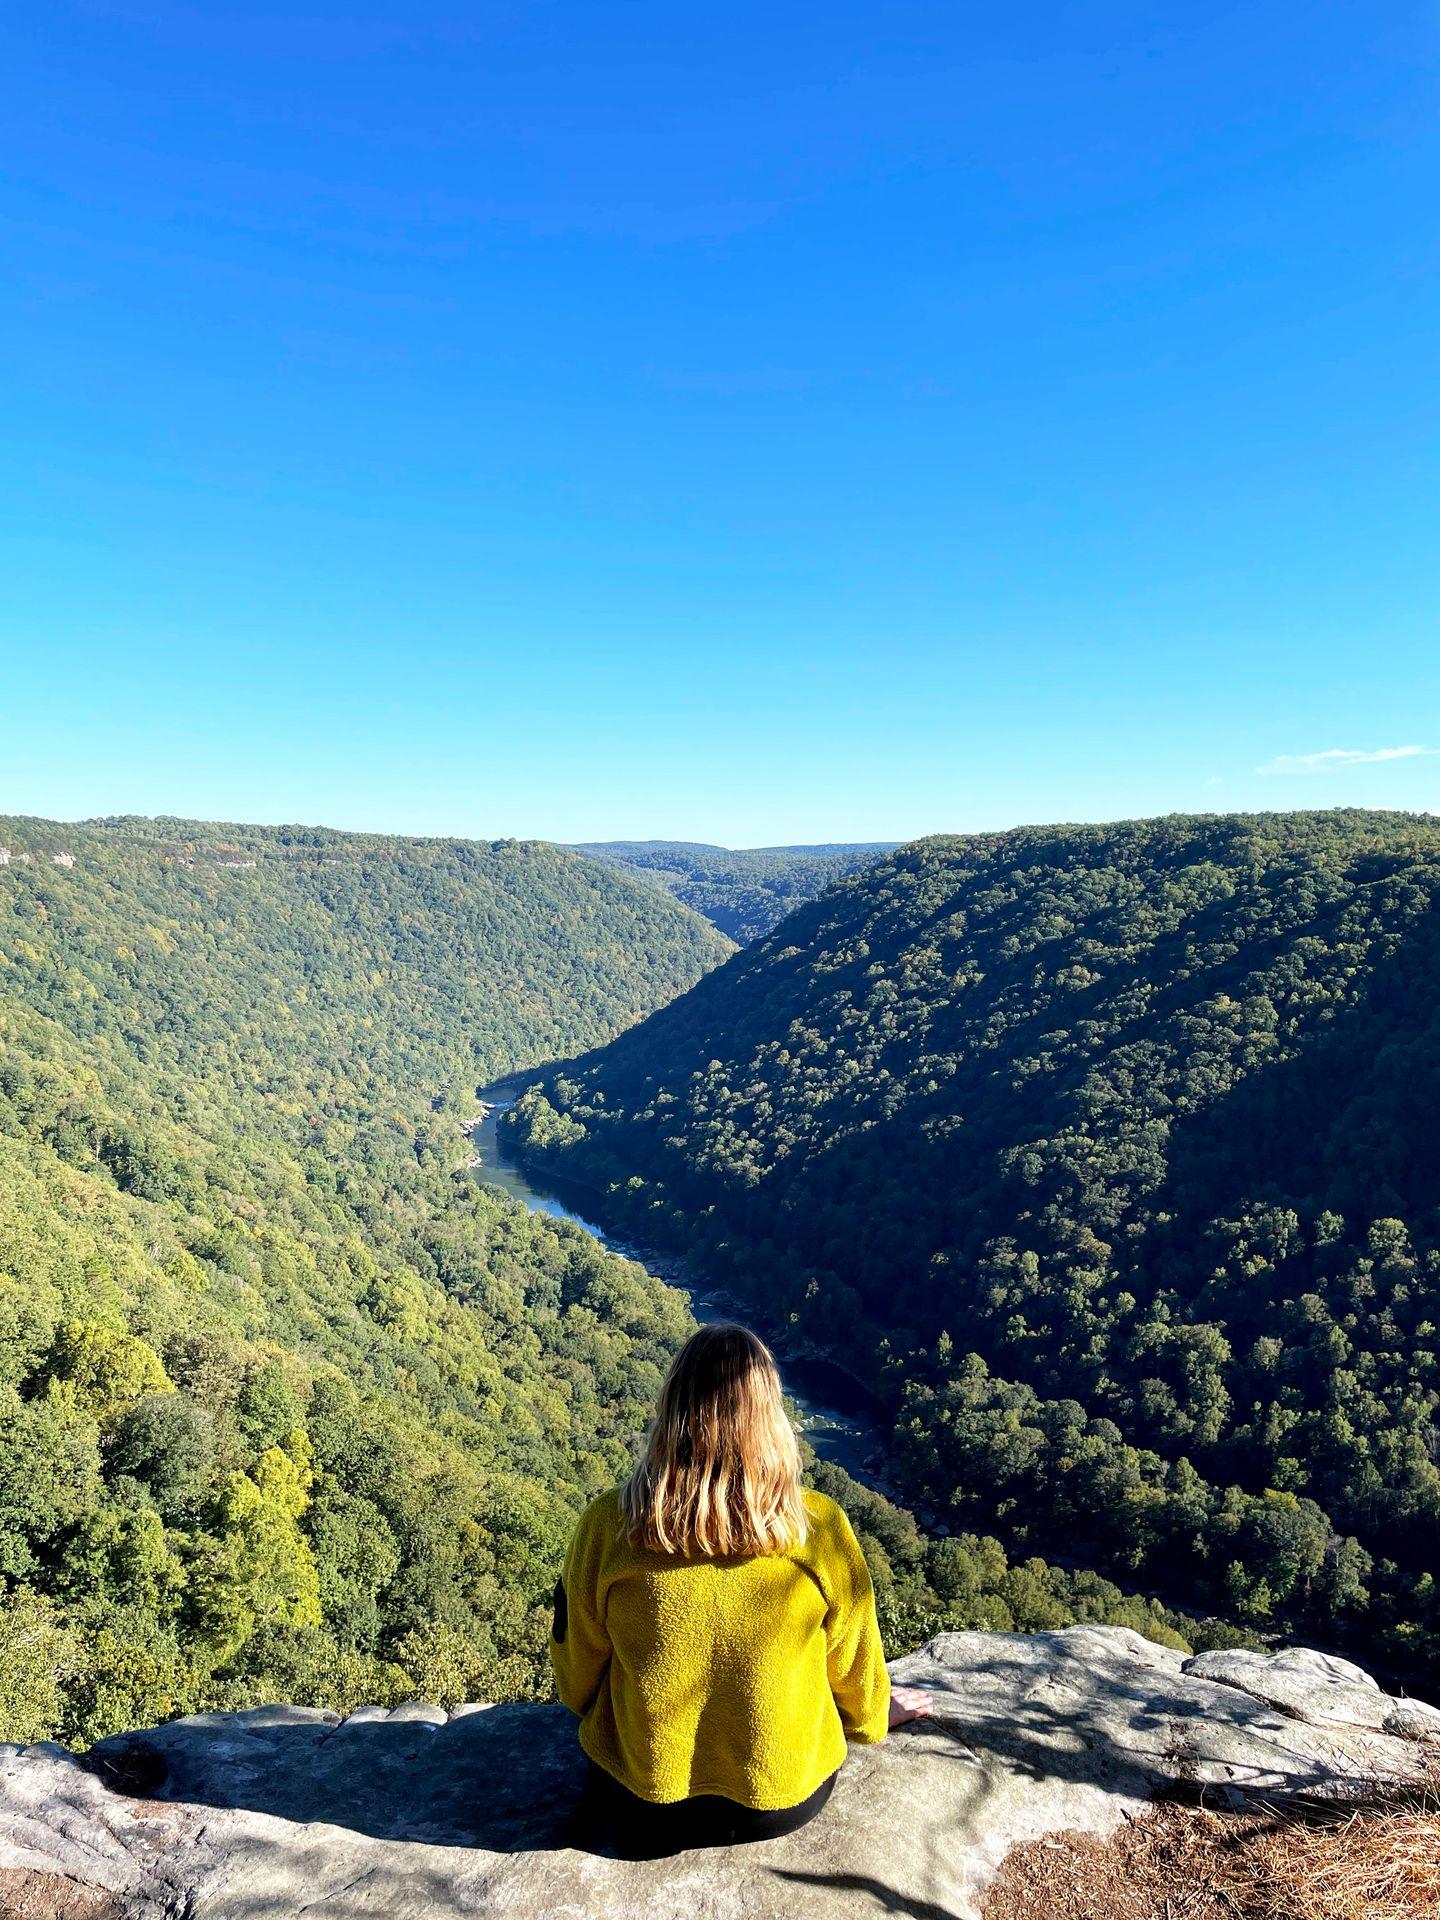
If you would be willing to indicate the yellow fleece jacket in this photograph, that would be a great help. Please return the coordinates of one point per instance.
(740, 1677)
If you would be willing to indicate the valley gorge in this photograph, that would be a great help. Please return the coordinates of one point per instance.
(1082, 1179)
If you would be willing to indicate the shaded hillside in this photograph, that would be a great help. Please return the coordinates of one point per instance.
(1110, 1152)
(743, 892)
(289, 1404)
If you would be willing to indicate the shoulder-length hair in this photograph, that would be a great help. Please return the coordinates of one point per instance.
(721, 1469)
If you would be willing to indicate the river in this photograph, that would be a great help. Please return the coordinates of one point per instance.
(834, 1412)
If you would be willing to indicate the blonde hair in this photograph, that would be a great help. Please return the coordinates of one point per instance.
(721, 1469)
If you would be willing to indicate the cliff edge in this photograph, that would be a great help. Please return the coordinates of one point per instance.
(287, 1811)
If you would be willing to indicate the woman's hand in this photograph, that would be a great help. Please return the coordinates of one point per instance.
(908, 1703)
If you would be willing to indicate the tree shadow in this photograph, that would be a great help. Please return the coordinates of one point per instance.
(887, 1899)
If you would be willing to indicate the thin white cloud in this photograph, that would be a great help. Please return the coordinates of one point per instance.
(1335, 759)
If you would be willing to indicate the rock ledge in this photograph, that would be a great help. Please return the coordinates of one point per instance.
(284, 1811)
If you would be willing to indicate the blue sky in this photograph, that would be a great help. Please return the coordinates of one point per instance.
(750, 424)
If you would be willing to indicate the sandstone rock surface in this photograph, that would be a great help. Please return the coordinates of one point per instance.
(289, 1811)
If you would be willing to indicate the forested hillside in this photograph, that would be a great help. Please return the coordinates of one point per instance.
(340, 961)
(1110, 1155)
(290, 1406)
(743, 892)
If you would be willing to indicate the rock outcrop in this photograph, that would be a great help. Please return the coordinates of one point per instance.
(288, 1811)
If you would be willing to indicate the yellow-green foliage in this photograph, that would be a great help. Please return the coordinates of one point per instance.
(290, 1406)
(100, 1371)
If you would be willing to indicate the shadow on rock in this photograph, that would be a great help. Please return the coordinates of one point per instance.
(508, 1779)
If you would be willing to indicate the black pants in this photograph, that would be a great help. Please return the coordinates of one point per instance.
(640, 1830)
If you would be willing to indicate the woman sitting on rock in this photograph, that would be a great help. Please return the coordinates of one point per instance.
(715, 1624)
